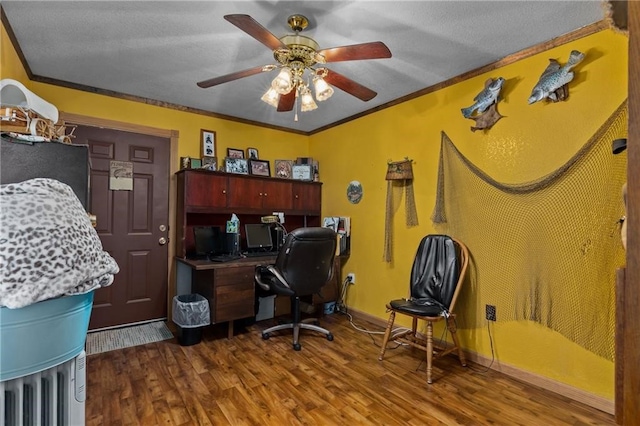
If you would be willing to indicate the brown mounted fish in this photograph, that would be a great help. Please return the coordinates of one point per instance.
(486, 110)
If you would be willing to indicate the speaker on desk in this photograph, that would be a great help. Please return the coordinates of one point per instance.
(277, 235)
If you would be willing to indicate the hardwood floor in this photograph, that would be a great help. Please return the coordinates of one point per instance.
(251, 381)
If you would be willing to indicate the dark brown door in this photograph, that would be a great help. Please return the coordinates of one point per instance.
(132, 224)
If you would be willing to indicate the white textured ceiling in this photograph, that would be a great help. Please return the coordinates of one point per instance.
(159, 50)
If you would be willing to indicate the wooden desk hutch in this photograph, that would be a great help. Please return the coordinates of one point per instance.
(208, 198)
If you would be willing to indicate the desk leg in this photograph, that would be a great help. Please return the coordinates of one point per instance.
(230, 330)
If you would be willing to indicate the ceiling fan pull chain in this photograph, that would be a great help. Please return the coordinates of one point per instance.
(295, 108)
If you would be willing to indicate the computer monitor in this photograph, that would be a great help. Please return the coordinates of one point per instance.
(207, 240)
(258, 236)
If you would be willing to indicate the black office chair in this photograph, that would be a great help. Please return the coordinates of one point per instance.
(304, 264)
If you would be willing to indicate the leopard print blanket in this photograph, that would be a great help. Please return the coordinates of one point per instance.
(48, 247)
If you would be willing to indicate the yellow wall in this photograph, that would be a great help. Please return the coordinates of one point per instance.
(530, 142)
(10, 66)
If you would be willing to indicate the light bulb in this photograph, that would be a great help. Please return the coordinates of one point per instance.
(282, 83)
(271, 97)
(323, 90)
(307, 102)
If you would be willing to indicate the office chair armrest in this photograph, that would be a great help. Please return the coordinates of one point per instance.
(259, 277)
(274, 274)
(278, 275)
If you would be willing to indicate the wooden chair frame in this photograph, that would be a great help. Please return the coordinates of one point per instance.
(425, 343)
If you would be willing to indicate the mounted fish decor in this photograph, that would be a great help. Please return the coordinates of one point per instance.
(554, 80)
(484, 111)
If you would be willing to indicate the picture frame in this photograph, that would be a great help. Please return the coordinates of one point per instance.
(304, 160)
(302, 172)
(252, 154)
(235, 153)
(185, 163)
(236, 165)
(207, 143)
(210, 163)
(260, 167)
(196, 163)
(283, 168)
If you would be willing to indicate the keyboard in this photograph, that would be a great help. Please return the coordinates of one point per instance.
(259, 254)
(224, 257)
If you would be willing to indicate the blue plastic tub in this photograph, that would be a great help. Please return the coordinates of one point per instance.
(43, 335)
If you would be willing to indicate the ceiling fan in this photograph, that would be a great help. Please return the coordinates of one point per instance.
(296, 55)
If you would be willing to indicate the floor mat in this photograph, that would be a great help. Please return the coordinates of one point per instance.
(108, 340)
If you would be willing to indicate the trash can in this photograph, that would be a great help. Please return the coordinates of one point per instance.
(191, 314)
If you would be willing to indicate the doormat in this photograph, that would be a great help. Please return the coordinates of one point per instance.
(109, 340)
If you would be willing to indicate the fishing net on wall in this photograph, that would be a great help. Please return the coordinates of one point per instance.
(543, 251)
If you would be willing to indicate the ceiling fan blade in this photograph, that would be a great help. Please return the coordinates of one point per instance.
(250, 26)
(373, 50)
(286, 101)
(230, 77)
(349, 86)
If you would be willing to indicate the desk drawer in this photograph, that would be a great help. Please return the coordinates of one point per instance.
(234, 311)
(235, 275)
(234, 293)
(226, 294)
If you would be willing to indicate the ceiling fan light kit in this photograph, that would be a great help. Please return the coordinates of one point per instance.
(283, 83)
(271, 97)
(307, 102)
(323, 90)
(296, 56)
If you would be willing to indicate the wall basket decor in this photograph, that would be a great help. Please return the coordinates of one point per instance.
(400, 172)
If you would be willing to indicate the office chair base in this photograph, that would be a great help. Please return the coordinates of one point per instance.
(296, 331)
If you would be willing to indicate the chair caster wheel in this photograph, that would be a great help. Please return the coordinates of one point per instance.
(330, 337)
(265, 336)
(296, 346)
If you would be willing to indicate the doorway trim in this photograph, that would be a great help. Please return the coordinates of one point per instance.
(173, 136)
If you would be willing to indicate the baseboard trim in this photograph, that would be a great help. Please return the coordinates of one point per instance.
(575, 394)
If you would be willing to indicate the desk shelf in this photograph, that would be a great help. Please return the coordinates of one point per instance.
(208, 198)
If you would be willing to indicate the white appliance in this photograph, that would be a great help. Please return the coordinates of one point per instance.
(52, 397)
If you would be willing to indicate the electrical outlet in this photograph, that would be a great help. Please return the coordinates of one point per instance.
(280, 216)
(351, 277)
(490, 312)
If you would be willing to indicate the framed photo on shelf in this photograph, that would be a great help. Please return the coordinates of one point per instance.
(260, 167)
(196, 163)
(236, 165)
(252, 153)
(207, 143)
(210, 163)
(301, 172)
(235, 153)
(282, 168)
(185, 163)
(304, 160)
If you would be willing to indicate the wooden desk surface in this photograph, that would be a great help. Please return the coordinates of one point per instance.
(202, 265)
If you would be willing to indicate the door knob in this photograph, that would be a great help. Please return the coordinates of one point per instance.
(162, 241)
